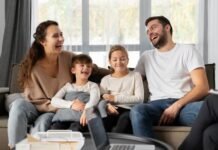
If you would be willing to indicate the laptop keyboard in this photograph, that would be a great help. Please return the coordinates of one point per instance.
(122, 147)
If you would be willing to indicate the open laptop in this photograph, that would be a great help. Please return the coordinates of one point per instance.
(100, 137)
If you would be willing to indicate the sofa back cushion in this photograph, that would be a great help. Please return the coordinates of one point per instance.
(13, 83)
(101, 72)
(210, 70)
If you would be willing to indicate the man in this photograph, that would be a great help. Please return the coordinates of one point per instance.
(176, 81)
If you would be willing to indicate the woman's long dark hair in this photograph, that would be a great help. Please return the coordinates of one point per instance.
(35, 53)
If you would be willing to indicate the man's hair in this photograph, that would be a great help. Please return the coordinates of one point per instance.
(81, 58)
(163, 20)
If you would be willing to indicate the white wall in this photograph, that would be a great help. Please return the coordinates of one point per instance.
(2, 22)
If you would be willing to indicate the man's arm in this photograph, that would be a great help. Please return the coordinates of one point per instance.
(199, 90)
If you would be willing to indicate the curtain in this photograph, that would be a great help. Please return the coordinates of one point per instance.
(208, 31)
(16, 38)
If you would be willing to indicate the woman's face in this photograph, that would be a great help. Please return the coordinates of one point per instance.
(54, 40)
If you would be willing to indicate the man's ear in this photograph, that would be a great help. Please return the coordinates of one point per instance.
(167, 27)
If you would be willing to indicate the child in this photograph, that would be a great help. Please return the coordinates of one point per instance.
(120, 90)
(74, 98)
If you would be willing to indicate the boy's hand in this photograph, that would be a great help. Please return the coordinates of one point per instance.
(78, 105)
(83, 120)
(111, 109)
(108, 97)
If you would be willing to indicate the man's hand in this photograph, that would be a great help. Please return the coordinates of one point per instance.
(108, 97)
(170, 114)
(111, 109)
(78, 105)
(83, 120)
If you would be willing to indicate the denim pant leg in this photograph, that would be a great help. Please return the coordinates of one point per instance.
(102, 108)
(143, 116)
(42, 123)
(189, 113)
(21, 113)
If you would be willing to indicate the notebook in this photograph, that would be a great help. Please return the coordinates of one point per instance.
(100, 137)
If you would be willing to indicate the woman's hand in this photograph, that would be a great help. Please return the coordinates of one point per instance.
(111, 109)
(83, 120)
(78, 105)
(108, 97)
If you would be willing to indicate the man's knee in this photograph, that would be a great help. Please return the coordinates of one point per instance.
(139, 111)
(189, 113)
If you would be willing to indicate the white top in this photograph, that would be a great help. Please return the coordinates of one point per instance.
(128, 90)
(168, 73)
(90, 87)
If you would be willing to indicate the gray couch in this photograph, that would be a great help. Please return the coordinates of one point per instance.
(172, 135)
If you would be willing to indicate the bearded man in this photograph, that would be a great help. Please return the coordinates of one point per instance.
(176, 79)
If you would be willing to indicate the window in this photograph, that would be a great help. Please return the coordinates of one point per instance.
(92, 26)
(182, 15)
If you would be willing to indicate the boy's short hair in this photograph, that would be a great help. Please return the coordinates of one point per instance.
(82, 59)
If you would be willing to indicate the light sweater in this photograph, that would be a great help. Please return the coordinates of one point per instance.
(43, 87)
(128, 90)
(90, 87)
(168, 73)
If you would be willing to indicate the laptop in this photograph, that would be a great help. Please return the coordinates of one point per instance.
(100, 137)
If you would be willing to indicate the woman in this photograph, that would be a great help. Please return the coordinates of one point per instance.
(204, 132)
(44, 70)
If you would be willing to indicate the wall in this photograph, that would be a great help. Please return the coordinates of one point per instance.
(2, 22)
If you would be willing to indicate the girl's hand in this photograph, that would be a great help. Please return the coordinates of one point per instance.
(83, 120)
(111, 109)
(78, 105)
(108, 97)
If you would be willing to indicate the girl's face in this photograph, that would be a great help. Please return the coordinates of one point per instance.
(82, 71)
(54, 40)
(119, 61)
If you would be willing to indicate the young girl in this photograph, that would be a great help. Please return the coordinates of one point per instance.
(120, 90)
(73, 96)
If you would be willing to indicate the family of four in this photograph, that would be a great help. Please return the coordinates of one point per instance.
(57, 89)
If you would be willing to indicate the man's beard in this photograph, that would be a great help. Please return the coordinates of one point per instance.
(162, 40)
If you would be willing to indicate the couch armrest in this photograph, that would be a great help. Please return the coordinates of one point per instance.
(4, 90)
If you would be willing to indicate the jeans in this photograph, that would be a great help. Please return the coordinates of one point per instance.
(144, 116)
(22, 113)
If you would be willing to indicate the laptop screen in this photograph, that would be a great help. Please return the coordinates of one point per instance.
(96, 129)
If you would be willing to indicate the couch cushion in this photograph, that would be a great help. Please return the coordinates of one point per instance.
(3, 121)
(13, 85)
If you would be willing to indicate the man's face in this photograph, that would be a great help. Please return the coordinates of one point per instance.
(156, 33)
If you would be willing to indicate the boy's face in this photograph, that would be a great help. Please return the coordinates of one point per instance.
(82, 70)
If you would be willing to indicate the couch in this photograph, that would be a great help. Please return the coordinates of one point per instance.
(172, 135)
